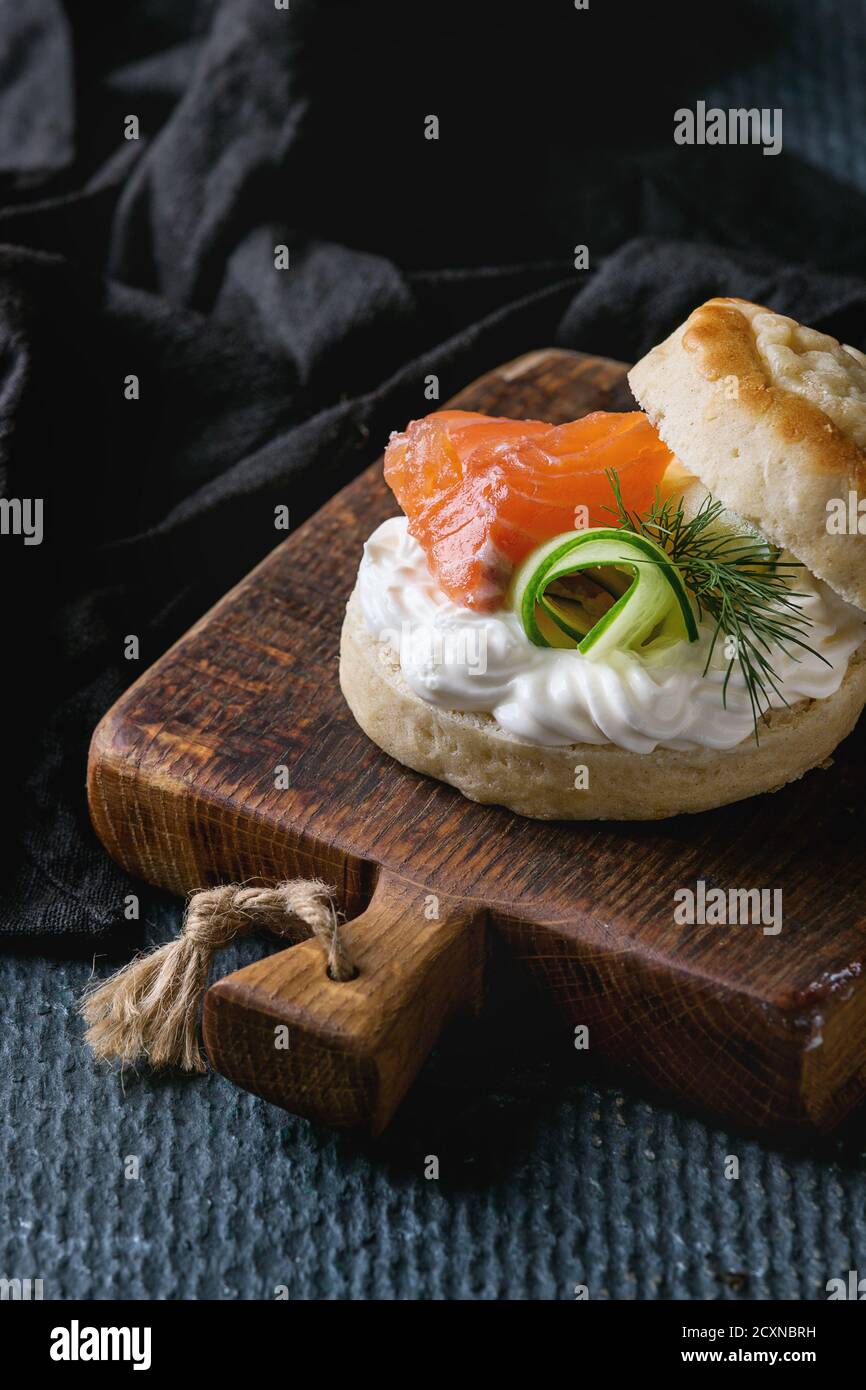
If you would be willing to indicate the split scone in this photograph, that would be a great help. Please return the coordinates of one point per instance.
(633, 615)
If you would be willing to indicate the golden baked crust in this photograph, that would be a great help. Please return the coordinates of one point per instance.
(487, 764)
(771, 416)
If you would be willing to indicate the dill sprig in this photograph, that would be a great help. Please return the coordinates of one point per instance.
(738, 581)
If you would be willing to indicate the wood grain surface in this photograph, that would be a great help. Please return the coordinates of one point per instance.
(766, 1031)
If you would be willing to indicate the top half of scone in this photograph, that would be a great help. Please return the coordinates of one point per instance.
(771, 417)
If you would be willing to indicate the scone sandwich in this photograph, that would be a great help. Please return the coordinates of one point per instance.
(632, 615)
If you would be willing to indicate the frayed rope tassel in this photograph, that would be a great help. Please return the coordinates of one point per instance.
(149, 1009)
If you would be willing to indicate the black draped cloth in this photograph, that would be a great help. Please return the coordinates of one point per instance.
(153, 257)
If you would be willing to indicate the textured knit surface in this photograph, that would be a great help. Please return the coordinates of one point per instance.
(548, 1178)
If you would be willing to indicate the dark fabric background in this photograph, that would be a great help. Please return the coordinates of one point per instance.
(155, 257)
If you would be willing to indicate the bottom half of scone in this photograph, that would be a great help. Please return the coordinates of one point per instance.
(582, 781)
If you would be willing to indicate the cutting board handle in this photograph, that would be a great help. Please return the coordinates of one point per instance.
(345, 1053)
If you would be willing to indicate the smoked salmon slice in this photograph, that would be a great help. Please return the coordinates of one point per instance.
(480, 491)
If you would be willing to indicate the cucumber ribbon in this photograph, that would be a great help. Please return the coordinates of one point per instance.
(602, 590)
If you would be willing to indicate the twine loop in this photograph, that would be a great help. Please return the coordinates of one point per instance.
(149, 1009)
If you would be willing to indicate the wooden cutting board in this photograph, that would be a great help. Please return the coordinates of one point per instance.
(766, 1031)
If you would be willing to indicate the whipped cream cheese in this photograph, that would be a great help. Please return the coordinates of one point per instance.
(461, 660)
